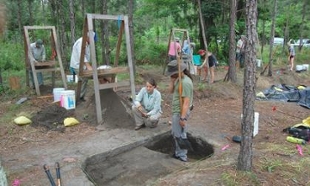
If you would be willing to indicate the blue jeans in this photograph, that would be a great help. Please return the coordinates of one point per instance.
(84, 83)
(178, 132)
(240, 58)
(39, 77)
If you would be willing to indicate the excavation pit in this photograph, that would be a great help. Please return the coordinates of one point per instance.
(142, 162)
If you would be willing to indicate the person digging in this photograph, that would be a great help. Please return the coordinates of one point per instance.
(181, 85)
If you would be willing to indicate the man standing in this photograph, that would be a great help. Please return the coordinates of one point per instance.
(181, 104)
(37, 55)
(75, 61)
(240, 51)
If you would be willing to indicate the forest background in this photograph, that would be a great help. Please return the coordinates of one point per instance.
(150, 24)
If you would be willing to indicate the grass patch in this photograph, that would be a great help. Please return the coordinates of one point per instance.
(236, 178)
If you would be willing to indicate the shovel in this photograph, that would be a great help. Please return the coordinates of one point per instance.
(49, 175)
(184, 143)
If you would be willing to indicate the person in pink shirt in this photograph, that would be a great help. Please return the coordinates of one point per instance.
(174, 49)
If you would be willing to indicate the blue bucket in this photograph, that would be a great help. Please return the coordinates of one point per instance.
(197, 60)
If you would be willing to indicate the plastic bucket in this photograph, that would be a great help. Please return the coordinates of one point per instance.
(258, 62)
(56, 93)
(299, 67)
(196, 60)
(67, 99)
(72, 79)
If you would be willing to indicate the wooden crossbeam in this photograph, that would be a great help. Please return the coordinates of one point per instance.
(103, 72)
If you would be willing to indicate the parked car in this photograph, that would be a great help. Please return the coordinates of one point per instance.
(278, 41)
(304, 43)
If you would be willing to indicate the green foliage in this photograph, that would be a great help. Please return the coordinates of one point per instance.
(12, 56)
(5, 90)
(149, 51)
(152, 21)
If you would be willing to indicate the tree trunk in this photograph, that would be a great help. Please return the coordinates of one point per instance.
(2, 19)
(246, 151)
(43, 12)
(302, 24)
(30, 5)
(240, 13)
(83, 7)
(54, 12)
(130, 23)
(62, 30)
(105, 35)
(263, 38)
(72, 21)
(202, 26)
(232, 76)
(19, 16)
(286, 30)
(273, 17)
(202, 23)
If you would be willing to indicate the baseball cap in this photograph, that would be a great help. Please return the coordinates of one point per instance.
(39, 42)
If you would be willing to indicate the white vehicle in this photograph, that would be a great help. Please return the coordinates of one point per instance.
(304, 43)
(278, 41)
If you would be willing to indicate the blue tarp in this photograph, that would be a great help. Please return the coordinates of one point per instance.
(305, 98)
(287, 93)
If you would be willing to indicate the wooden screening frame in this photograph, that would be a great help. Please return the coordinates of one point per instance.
(185, 36)
(94, 74)
(47, 66)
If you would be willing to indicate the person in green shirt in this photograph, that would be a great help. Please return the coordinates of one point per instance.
(180, 109)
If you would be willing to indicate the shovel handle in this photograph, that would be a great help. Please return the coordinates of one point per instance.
(48, 173)
(58, 174)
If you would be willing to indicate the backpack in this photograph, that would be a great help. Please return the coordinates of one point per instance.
(301, 132)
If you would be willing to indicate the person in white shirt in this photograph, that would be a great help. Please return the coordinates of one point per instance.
(75, 61)
(240, 51)
(37, 55)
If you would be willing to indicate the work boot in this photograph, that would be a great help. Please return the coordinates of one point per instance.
(139, 127)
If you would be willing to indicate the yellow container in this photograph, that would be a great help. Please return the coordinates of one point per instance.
(295, 140)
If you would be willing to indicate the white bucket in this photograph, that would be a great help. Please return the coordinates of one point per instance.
(299, 67)
(67, 99)
(56, 93)
(258, 62)
(306, 67)
(70, 79)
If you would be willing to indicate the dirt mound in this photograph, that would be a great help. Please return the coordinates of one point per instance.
(51, 118)
(115, 110)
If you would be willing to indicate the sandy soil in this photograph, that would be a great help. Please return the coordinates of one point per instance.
(216, 117)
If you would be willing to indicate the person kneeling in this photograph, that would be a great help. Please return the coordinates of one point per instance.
(147, 106)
